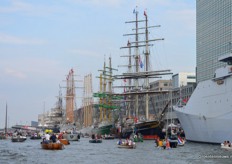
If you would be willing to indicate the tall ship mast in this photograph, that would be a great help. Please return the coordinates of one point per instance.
(148, 127)
(87, 104)
(106, 105)
(70, 97)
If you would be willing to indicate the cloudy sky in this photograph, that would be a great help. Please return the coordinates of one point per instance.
(40, 41)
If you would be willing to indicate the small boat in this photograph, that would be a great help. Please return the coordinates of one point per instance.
(71, 137)
(18, 138)
(95, 141)
(35, 137)
(108, 137)
(52, 146)
(125, 146)
(64, 141)
(226, 147)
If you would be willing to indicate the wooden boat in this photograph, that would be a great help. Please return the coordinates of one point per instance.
(226, 147)
(52, 146)
(95, 141)
(133, 146)
(64, 141)
(18, 138)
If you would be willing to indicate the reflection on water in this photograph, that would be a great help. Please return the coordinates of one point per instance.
(107, 152)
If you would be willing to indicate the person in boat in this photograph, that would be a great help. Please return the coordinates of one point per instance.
(53, 138)
(93, 136)
(225, 143)
(127, 141)
(47, 136)
(120, 142)
(60, 136)
(167, 146)
(156, 142)
(228, 144)
(164, 143)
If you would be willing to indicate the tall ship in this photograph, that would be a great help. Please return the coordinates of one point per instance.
(138, 94)
(105, 96)
(87, 122)
(207, 115)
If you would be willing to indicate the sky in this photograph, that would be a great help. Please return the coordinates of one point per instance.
(40, 41)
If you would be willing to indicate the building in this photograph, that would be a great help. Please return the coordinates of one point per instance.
(214, 33)
(183, 79)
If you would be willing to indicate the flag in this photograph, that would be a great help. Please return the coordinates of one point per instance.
(140, 62)
(134, 11)
(145, 14)
(185, 100)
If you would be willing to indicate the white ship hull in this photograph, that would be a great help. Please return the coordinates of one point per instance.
(207, 117)
(198, 129)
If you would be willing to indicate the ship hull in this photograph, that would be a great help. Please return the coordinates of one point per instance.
(207, 116)
(105, 129)
(202, 129)
(150, 130)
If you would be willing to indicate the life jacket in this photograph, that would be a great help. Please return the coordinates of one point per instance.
(167, 144)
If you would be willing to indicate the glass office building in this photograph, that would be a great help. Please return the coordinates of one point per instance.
(214, 35)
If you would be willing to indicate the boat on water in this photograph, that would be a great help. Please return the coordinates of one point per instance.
(106, 122)
(226, 146)
(64, 141)
(207, 115)
(35, 137)
(127, 146)
(144, 123)
(103, 128)
(108, 137)
(18, 138)
(52, 146)
(95, 141)
(71, 137)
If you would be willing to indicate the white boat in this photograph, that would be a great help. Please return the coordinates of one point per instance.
(207, 116)
(71, 136)
(18, 138)
(226, 147)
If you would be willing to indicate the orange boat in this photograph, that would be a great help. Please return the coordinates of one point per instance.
(52, 146)
(64, 141)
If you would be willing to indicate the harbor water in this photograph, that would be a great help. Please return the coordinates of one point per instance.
(106, 152)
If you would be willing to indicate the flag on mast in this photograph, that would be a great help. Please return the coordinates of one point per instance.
(140, 62)
(145, 14)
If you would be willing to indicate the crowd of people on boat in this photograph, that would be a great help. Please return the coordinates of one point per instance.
(227, 143)
(165, 144)
(50, 138)
(127, 142)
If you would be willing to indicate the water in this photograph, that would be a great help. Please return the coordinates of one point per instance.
(107, 152)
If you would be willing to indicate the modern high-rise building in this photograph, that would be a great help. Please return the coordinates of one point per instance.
(214, 35)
